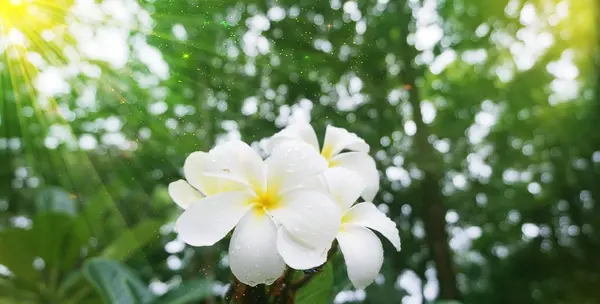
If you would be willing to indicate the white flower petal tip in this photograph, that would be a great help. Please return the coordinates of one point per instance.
(253, 255)
(338, 139)
(301, 131)
(344, 185)
(365, 166)
(297, 255)
(237, 161)
(368, 215)
(183, 194)
(362, 253)
(300, 156)
(193, 169)
(206, 223)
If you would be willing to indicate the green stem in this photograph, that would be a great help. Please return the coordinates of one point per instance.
(284, 295)
(80, 295)
(53, 279)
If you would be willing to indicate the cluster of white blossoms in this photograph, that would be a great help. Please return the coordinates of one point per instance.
(288, 208)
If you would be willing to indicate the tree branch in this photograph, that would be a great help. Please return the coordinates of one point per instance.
(434, 211)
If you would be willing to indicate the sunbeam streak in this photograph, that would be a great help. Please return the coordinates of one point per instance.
(35, 15)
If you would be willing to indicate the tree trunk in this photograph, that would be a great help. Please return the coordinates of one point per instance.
(428, 160)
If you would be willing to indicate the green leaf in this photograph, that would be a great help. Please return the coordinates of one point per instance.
(55, 241)
(17, 252)
(319, 290)
(340, 274)
(55, 200)
(115, 282)
(447, 302)
(132, 240)
(91, 221)
(187, 292)
(18, 291)
(70, 281)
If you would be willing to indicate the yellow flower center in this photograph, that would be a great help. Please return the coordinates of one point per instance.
(327, 151)
(346, 218)
(266, 200)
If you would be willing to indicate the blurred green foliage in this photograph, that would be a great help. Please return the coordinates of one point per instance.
(482, 115)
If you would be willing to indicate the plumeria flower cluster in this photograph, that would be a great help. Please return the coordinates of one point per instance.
(286, 209)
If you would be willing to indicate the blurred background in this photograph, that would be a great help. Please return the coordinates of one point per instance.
(482, 115)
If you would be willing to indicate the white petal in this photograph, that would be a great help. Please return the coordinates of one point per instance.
(253, 256)
(297, 131)
(235, 160)
(363, 254)
(364, 165)
(296, 254)
(312, 217)
(207, 222)
(183, 194)
(344, 185)
(338, 139)
(193, 169)
(317, 183)
(367, 214)
(292, 163)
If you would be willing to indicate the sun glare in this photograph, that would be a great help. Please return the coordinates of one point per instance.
(23, 23)
(31, 16)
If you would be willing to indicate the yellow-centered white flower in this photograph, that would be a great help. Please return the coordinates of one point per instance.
(361, 248)
(278, 219)
(336, 140)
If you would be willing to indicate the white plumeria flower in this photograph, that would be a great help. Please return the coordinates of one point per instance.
(361, 248)
(198, 185)
(277, 219)
(336, 140)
